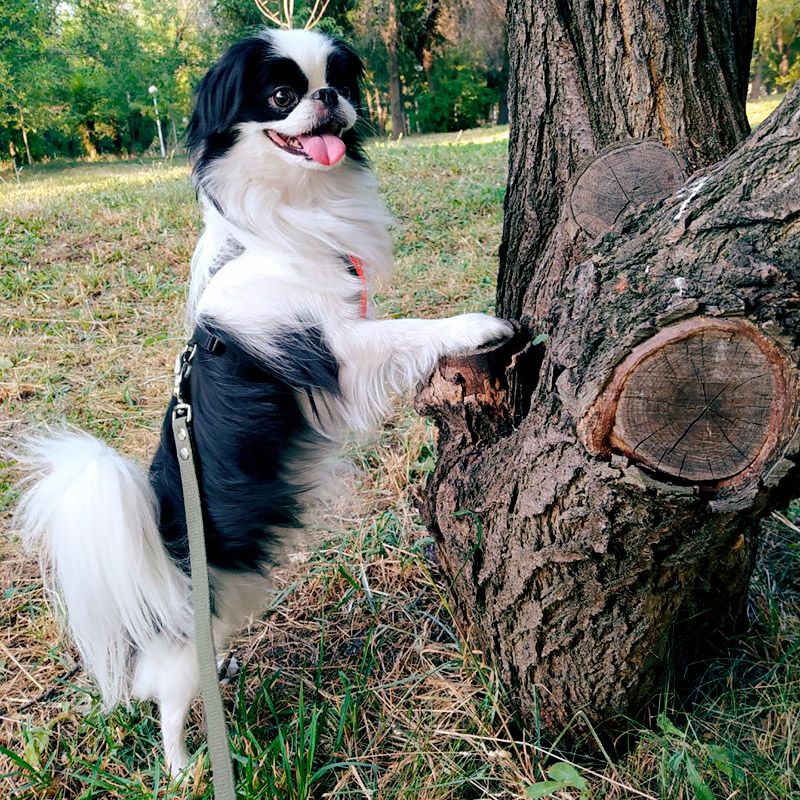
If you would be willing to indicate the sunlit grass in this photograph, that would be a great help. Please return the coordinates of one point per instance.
(759, 110)
(495, 133)
(358, 682)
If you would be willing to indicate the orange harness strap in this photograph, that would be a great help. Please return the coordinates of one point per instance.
(356, 267)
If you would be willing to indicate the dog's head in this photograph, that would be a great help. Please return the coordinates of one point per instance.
(286, 96)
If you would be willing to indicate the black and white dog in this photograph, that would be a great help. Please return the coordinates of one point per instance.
(288, 357)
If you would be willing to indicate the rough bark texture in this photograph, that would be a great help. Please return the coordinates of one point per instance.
(588, 73)
(614, 476)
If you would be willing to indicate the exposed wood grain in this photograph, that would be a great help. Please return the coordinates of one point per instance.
(619, 180)
(698, 409)
(702, 400)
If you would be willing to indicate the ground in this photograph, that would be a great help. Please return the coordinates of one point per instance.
(357, 682)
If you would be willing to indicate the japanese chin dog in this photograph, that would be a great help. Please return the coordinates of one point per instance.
(287, 357)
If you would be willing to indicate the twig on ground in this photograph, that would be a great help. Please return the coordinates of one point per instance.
(48, 694)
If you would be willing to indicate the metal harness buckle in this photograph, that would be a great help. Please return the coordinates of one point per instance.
(180, 386)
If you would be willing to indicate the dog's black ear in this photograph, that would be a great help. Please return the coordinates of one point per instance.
(221, 93)
(346, 71)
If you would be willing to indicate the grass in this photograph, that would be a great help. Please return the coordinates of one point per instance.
(357, 682)
(759, 110)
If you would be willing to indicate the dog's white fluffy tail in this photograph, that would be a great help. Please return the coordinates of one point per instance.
(91, 516)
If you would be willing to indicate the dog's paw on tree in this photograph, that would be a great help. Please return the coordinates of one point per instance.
(616, 476)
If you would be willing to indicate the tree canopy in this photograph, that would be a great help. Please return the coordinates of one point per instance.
(74, 76)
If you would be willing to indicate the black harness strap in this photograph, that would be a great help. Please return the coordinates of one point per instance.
(209, 342)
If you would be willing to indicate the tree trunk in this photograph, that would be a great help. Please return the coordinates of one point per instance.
(783, 66)
(610, 481)
(587, 74)
(395, 85)
(757, 86)
(381, 107)
(87, 139)
(25, 137)
(381, 111)
(370, 106)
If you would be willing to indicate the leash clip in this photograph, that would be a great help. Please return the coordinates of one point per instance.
(180, 386)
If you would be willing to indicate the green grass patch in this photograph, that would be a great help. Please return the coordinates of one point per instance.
(357, 681)
(759, 110)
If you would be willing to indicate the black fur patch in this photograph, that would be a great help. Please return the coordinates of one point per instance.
(345, 72)
(236, 89)
(230, 249)
(251, 441)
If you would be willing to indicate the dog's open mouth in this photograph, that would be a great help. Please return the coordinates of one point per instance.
(322, 145)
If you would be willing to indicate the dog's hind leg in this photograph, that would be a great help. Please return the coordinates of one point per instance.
(167, 672)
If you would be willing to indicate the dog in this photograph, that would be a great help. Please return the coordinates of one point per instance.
(287, 357)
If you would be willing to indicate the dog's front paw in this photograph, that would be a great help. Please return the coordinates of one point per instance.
(472, 331)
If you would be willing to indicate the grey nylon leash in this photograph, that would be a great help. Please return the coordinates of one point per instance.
(217, 736)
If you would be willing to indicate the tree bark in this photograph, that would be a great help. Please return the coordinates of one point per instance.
(586, 74)
(783, 67)
(24, 130)
(423, 48)
(596, 499)
(757, 86)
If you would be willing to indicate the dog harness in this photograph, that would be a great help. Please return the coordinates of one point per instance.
(355, 266)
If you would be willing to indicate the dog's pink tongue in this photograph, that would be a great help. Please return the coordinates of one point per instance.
(324, 148)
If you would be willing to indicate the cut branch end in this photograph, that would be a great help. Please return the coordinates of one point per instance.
(703, 401)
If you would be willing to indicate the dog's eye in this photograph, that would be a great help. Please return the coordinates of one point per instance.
(344, 92)
(283, 98)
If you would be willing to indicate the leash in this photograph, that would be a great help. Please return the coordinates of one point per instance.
(217, 737)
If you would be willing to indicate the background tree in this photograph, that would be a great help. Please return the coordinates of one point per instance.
(596, 499)
(776, 51)
(451, 62)
(79, 73)
(74, 77)
(25, 26)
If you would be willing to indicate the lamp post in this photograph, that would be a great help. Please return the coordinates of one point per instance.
(153, 91)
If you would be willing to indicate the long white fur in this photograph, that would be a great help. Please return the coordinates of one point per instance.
(313, 218)
(91, 513)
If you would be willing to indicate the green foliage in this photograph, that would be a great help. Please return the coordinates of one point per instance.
(25, 74)
(562, 776)
(451, 61)
(697, 762)
(74, 77)
(457, 96)
(776, 51)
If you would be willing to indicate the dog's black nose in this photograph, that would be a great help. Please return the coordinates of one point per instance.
(328, 96)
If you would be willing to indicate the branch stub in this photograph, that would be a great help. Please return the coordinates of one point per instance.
(702, 401)
(621, 178)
